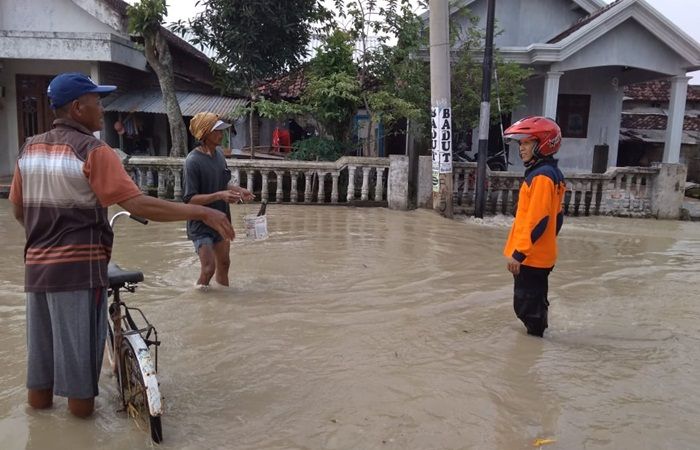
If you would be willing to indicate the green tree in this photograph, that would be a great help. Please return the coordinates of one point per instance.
(145, 19)
(255, 40)
(333, 92)
(393, 86)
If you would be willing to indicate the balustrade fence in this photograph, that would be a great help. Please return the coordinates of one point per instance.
(623, 191)
(352, 180)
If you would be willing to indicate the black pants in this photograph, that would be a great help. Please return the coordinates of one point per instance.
(530, 298)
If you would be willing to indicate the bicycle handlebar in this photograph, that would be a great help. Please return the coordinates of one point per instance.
(140, 220)
(127, 214)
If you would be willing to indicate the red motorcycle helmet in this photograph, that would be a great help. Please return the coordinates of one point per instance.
(543, 130)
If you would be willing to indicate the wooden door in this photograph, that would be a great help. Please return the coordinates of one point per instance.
(34, 115)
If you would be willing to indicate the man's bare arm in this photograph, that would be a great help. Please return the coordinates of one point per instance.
(163, 211)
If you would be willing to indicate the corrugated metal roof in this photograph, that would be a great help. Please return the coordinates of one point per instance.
(191, 103)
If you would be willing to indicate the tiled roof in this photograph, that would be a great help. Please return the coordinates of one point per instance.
(287, 87)
(657, 91)
(582, 22)
(656, 122)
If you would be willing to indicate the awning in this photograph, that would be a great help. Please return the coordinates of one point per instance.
(191, 103)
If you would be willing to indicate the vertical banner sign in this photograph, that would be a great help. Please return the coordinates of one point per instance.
(434, 112)
(445, 140)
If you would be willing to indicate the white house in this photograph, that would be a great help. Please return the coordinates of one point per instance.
(584, 53)
(41, 38)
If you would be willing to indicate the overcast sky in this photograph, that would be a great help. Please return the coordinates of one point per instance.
(684, 13)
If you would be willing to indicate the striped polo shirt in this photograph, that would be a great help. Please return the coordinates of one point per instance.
(64, 181)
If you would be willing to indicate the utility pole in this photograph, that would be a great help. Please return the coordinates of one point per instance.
(441, 102)
(485, 116)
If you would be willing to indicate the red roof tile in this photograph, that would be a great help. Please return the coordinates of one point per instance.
(288, 87)
(656, 122)
(658, 91)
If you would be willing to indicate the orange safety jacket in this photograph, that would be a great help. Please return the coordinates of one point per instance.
(533, 238)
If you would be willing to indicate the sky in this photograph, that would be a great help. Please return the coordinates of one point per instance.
(684, 13)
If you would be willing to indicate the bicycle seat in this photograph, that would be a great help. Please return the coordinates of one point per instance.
(118, 277)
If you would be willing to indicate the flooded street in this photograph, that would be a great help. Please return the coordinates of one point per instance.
(375, 329)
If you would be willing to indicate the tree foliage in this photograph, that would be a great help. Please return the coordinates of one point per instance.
(393, 83)
(333, 93)
(255, 40)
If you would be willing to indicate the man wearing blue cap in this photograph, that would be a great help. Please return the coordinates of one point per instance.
(64, 182)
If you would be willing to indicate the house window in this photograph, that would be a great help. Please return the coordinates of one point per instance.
(572, 115)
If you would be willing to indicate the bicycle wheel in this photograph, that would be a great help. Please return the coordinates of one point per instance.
(134, 394)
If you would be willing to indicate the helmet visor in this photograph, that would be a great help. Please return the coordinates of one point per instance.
(519, 137)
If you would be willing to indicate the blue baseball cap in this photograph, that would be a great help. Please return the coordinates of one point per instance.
(66, 87)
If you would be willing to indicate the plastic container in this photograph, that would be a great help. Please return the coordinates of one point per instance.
(256, 227)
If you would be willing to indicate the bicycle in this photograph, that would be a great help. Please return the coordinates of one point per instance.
(129, 351)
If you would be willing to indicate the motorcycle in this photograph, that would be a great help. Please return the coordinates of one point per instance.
(496, 162)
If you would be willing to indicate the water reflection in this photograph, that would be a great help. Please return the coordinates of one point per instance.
(367, 328)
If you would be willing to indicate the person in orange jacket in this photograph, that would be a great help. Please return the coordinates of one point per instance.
(531, 249)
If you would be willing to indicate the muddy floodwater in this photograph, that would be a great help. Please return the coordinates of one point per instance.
(375, 329)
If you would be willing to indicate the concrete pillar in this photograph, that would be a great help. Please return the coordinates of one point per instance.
(425, 182)
(95, 76)
(551, 94)
(441, 102)
(676, 115)
(668, 191)
(397, 191)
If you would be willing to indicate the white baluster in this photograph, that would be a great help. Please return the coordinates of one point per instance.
(293, 194)
(464, 172)
(236, 177)
(149, 178)
(508, 192)
(499, 189)
(365, 183)
(279, 194)
(308, 194)
(334, 191)
(264, 194)
(321, 187)
(143, 182)
(639, 185)
(177, 184)
(351, 183)
(161, 184)
(249, 175)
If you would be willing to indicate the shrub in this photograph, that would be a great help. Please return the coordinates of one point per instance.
(317, 149)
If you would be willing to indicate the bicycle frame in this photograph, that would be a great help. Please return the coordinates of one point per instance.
(124, 326)
(129, 346)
